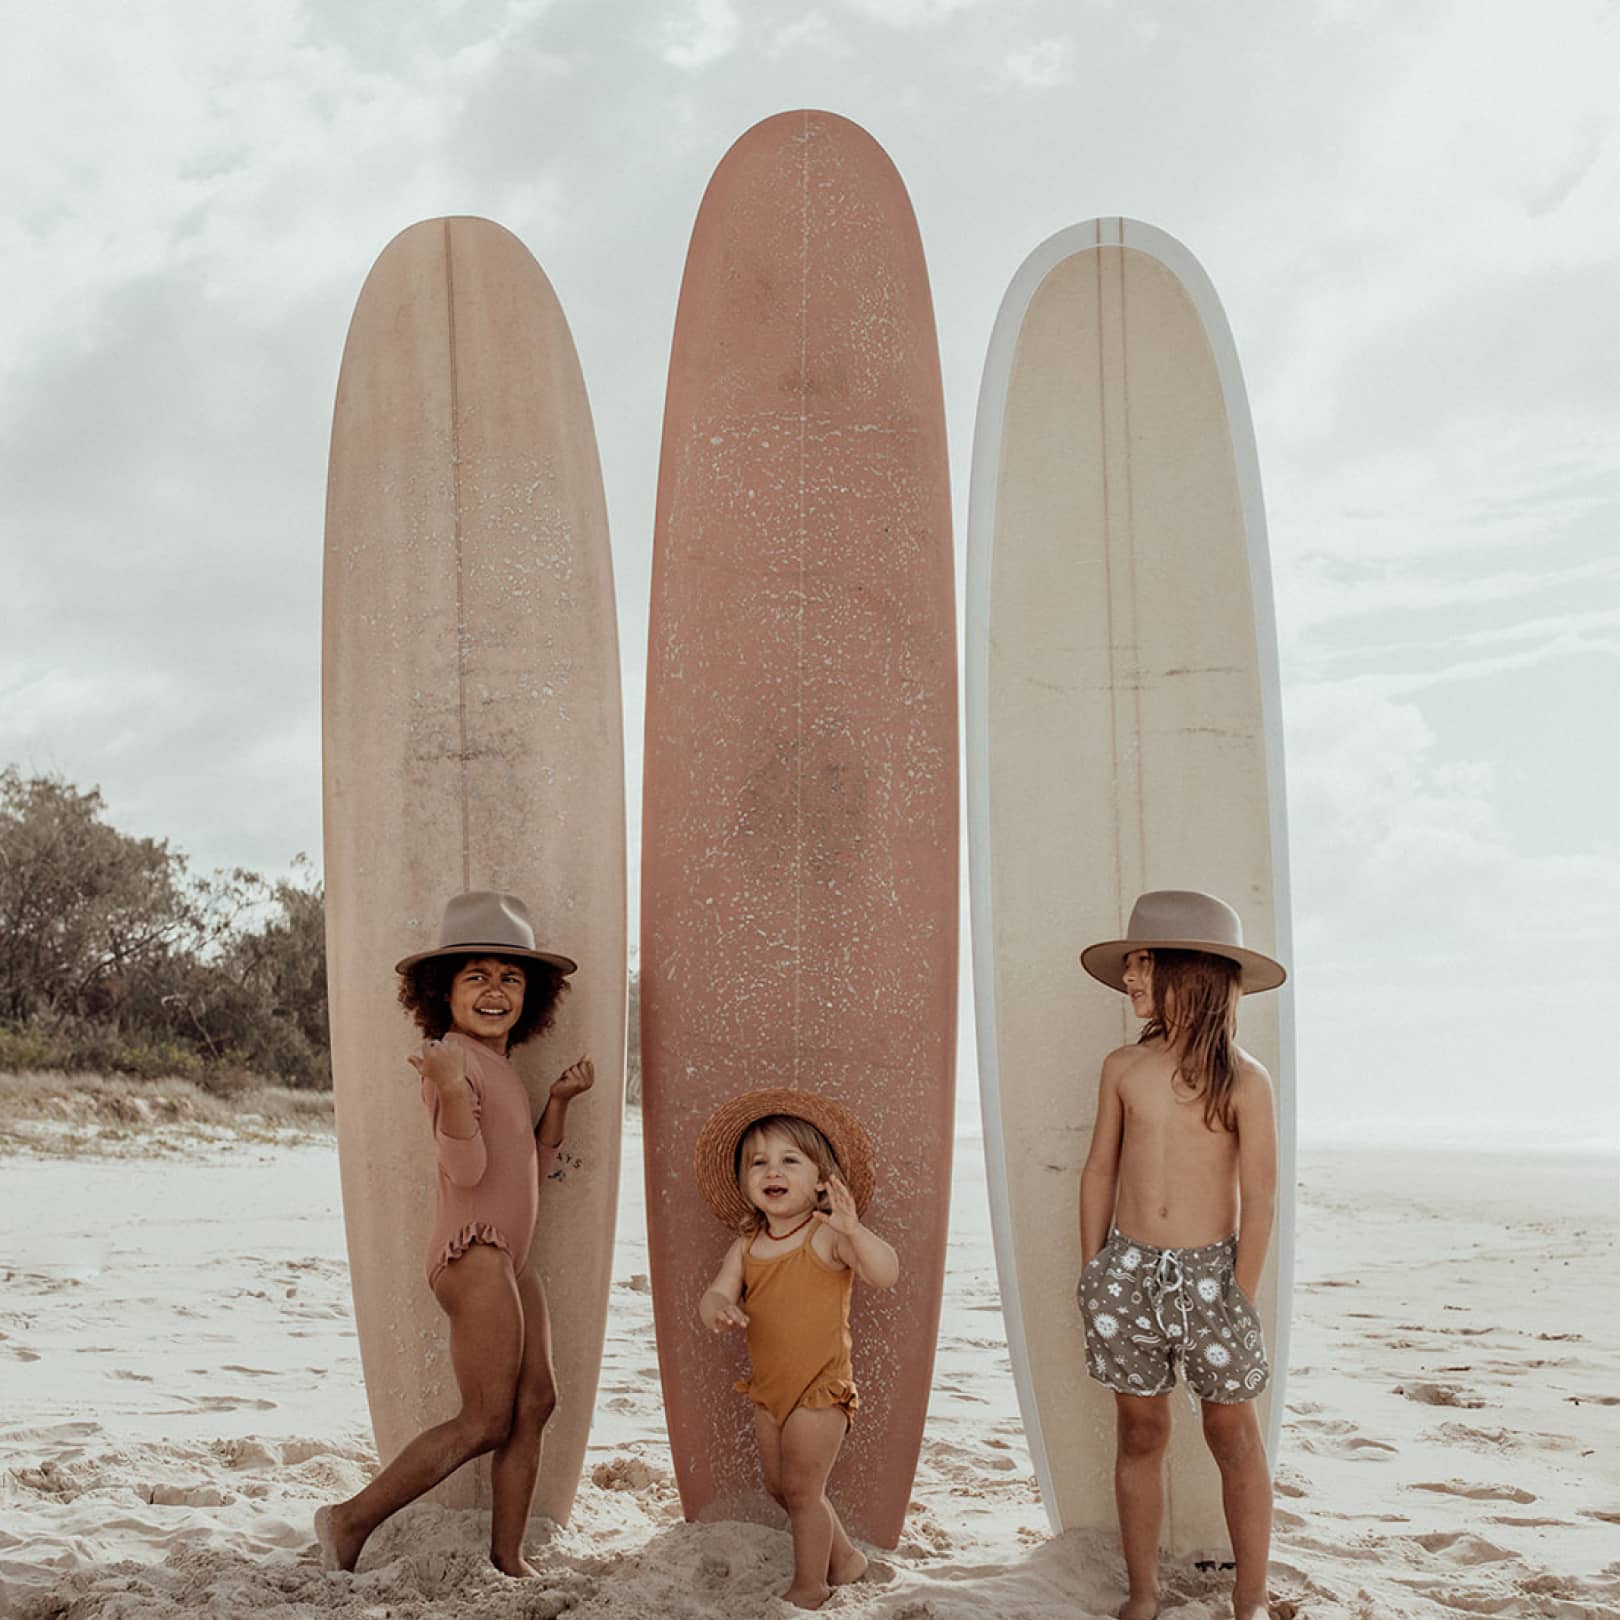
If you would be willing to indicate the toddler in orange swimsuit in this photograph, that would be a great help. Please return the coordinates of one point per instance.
(766, 1162)
(482, 991)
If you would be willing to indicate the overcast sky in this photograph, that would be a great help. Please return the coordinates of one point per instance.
(1408, 210)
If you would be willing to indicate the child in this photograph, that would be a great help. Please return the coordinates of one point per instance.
(765, 1162)
(1176, 1209)
(482, 991)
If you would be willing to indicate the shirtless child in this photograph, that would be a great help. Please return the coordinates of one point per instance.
(1177, 1199)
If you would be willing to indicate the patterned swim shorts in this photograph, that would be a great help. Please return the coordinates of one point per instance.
(1147, 1309)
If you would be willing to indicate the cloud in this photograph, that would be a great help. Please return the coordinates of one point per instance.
(1381, 825)
(1435, 958)
(1414, 241)
(1039, 67)
(707, 32)
(909, 13)
(813, 32)
(1322, 590)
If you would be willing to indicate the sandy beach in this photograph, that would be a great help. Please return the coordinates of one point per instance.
(181, 1389)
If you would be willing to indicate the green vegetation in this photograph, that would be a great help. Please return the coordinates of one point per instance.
(115, 959)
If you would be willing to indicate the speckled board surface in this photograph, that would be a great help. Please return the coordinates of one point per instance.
(472, 739)
(799, 876)
(1124, 734)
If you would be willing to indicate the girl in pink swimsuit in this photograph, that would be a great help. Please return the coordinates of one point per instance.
(484, 990)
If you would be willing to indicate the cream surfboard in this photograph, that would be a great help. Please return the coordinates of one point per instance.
(1124, 734)
(471, 739)
(799, 867)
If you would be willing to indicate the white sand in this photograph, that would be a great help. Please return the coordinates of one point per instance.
(179, 1389)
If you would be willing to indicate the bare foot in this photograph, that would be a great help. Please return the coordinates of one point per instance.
(807, 1597)
(340, 1548)
(1246, 1610)
(518, 1568)
(841, 1572)
(1139, 1608)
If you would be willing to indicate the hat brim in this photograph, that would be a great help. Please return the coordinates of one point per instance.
(475, 947)
(1106, 962)
(714, 1157)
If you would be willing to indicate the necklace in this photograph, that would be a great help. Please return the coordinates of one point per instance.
(784, 1236)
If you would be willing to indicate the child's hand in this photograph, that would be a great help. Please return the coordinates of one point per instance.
(442, 1062)
(843, 1218)
(723, 1318)
(573, 1080)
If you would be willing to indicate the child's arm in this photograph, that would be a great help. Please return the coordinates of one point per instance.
(447, 1091)
(579, 1077)
(1257, 1172)
(1101, 1171)
(863, 1251)
(718, 1309)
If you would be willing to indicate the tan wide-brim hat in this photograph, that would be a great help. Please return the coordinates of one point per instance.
(482, 922)
(1183, 920)
(715, 1156)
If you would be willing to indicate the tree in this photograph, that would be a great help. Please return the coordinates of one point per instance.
(82, 906)
(112, 956)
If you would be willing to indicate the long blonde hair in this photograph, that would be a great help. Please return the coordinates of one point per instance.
(1196, 1010)
(805, 1136)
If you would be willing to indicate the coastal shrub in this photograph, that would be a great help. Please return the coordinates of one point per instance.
(116, 958)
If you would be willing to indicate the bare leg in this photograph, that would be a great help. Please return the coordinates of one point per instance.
(1234, 1436)
(516, 1463)
(810, 1446)
(769, 1435)
(845, 1562)
(480, 1296)
(1143, 1428)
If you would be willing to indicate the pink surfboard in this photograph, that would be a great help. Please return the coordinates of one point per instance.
(799, 859)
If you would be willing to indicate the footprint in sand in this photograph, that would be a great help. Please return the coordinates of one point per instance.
(1427, 1394)
(1475, 1493)
(1500, 1440)
(188, 1496)
(219, 1403)
(1333, 1437)
(1460, 1547)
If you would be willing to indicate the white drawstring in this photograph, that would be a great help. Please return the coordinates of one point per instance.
(1166, 1278)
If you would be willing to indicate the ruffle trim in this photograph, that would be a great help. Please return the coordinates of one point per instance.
(827, 1392)
(470, 1236)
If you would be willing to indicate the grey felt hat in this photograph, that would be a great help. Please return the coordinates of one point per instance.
(1182, 920)
(482, 922)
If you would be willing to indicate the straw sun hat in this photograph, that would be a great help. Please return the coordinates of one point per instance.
(482, 922)
(715, 1157)
(1182, 920)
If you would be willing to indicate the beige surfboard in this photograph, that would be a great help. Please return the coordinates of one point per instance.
(1124, 734)
(471, 739)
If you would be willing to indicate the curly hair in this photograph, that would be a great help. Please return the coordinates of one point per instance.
(1196, 1009)
(425, 993)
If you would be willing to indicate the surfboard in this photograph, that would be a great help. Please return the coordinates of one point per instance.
(1123, 733)
(799, 865)
(471, 740)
